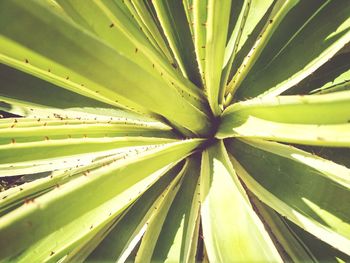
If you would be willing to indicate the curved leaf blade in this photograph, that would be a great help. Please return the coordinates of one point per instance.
(228, 235)
(313, 194)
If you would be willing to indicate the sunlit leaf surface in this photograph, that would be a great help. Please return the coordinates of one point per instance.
(174, 131)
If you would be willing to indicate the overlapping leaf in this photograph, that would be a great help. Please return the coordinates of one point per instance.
(104, 101)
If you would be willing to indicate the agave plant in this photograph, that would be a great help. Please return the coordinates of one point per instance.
(179, 131)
